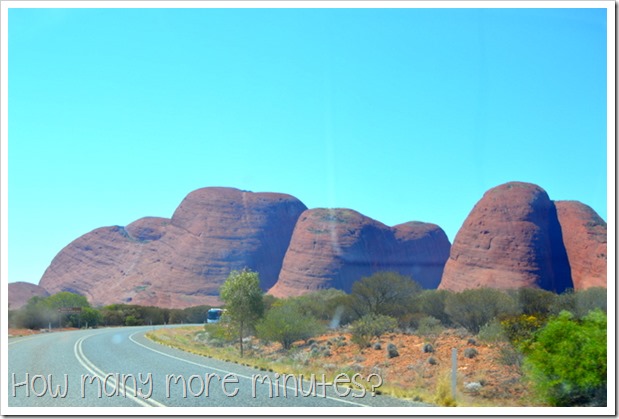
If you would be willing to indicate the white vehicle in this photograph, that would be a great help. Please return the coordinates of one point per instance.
(214, 315)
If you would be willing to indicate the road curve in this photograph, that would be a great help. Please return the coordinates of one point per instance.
(119, 367)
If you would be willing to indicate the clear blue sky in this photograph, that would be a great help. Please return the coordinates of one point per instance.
(402, 115)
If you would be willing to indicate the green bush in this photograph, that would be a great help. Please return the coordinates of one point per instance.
(566, 301)
(410, 321)
(568, 362)
(510, 356)
(133, 321)
(12, 317)
(429, 326)
(492, 332)
(370, 326)
(520, 330)
(474, 308)
(588, 300)
(286, 323)
(329, 305)
(580, 303)
(432, 303)
(219, 334)
(117, 314)
(534, 301)
(268, 300)
(195, 314)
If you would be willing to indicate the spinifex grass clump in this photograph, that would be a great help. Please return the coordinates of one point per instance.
(470, 353)
(427, 348)
(392, 351)
(443, 395)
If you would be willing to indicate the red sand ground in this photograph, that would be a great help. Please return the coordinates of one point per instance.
(502, 385)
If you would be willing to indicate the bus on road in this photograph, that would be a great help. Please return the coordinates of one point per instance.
(214, 315)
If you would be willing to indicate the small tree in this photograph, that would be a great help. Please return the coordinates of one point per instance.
(286, 323)
(386, 293)
(91, 317)
(66, 299)
(243, 298)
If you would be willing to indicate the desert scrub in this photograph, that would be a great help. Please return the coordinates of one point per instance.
(429, 326)
(474, 308)
(492, 332)
(520, 330)
(370, 326)
(509, 356)
(286, 324)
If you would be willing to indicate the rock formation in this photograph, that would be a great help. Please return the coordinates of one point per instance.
(584, 235)
(181, 261)
(511, 239)
(332, 248)
(515, 236)
(20, 292)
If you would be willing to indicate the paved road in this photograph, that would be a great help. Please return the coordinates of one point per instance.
(107, 367)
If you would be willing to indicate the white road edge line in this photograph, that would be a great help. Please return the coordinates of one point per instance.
(19, 340)
(93, 369)
(229, 372)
